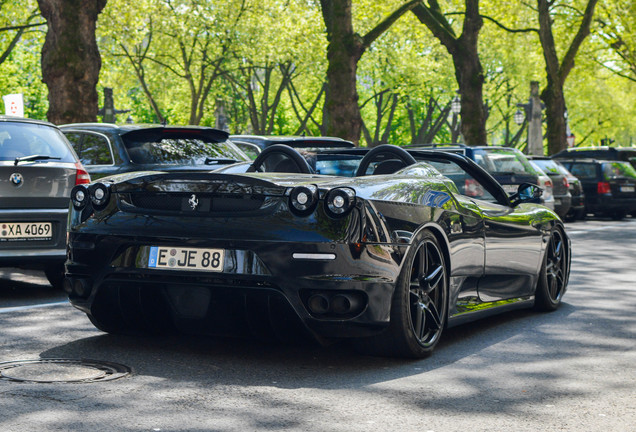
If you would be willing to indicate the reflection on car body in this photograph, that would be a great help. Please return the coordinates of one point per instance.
(386, 258)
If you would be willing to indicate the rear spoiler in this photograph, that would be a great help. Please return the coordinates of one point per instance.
(162, 132)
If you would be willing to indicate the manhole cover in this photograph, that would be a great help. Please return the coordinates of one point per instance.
(61, 371)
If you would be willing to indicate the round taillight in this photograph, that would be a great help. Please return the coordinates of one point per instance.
(79, 196)
(99, 194)
(339, 201)
(303, 199)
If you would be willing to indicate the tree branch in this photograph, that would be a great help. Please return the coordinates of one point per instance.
(432, 18)
(584, 30)
(384, 25)
(22, 27)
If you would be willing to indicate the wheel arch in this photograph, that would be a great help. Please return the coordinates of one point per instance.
(441, 237)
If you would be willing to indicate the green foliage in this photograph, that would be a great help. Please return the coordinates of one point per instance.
(20, 72)
(406, 61)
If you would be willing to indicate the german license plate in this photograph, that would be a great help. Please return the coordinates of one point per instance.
(627, 189)
(179, 258)
(26, 230)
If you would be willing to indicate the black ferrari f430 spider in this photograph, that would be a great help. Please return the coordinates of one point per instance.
(386, 247)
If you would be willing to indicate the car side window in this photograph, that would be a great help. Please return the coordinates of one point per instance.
(75, 139)
(583, 171)
(96, 150)
(466, 184)
(92, 149)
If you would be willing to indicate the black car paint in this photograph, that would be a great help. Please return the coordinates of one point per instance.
(626, 154)
(121, 160)
(108, 248)
(615, 203)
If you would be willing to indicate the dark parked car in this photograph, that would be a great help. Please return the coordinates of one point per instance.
(626, 154)
(107, 149)
(560, 184)
(38, 169)
(577, 209)
(507, 165)
(388, 258)
(252, 145)
(609, 186)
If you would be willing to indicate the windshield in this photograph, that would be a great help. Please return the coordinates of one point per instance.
(618, 169)
(182, 151)
(548, 166)
(338, 165)
(563, 170)
(18, 140)
(502, 160)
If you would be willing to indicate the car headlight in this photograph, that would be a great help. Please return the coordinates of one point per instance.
(339, 201)
(80, 196)
(99, 194)
(303, 199)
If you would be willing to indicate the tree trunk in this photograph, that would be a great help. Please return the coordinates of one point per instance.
(556, 73)
(554, 101)
(470, 78)
(468, 70)
(70, 59)
(341, 113)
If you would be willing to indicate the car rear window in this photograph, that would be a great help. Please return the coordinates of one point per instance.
(583, 170)
(503, 161)
(19, 139)
(184, 150)
(618, 169)
(548, 166)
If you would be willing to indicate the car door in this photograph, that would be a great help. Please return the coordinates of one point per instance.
(513, 251)
(512, 238)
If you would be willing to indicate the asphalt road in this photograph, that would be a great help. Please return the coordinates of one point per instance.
(570, 370)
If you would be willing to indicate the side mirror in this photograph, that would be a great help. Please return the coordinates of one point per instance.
(526, 192)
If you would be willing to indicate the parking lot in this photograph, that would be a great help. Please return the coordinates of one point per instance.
(570, 370)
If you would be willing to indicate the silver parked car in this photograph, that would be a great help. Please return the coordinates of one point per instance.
(38, 169)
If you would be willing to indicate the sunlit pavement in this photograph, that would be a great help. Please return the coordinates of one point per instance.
(570, 370)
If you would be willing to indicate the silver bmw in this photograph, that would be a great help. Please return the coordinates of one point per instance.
(38, 169)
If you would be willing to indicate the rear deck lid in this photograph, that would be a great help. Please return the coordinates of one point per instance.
(37, 166)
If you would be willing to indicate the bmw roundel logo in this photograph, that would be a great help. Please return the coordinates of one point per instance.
(16, 179)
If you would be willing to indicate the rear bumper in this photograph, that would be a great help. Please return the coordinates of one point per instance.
(259, 281)
(562, 204)
(605, 204)
(35, 253)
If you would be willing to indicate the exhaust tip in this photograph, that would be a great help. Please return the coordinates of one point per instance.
(318, 304)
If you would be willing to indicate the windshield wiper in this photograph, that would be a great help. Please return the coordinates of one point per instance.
(34, 158)
(222, 161)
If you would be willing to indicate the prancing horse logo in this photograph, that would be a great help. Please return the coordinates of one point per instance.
(193, 201)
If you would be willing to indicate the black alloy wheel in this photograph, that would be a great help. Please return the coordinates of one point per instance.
(419, 307)
(427, 294)
(554, 273)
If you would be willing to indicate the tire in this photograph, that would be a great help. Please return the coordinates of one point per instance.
(619, 215)
(553, 277)
(580, 214)
(55, 276)
(419, 306)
